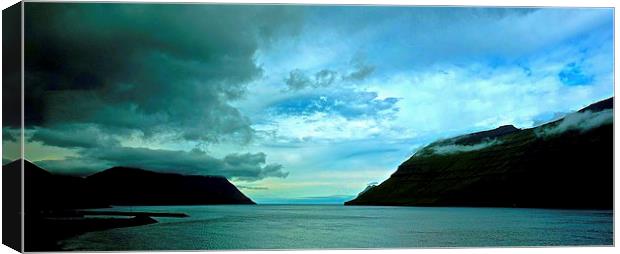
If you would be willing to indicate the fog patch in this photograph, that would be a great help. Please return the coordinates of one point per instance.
(368, 187)
(579, 121)
(243, 187)
(454, 148)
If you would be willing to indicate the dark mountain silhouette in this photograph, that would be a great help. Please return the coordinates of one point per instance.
(599, 106)
(12, 206)
(485, 135)
(46, 194)
(51, 200)
(44, 191)
(551, 166)
(132, 186)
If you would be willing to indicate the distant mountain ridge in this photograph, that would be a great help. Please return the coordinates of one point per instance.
(567, 163)
(132, 186)
(478, 137)
(599, 106)
(122, 186)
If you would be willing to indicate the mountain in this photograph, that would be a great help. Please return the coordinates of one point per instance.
(132, 186)
(567, 163)
(51, 199)
(44, 191)
(599, 106)
(478, 137)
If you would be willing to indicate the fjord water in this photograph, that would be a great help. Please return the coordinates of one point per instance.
(337, 227)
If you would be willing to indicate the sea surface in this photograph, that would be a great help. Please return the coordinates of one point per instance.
(346, 227)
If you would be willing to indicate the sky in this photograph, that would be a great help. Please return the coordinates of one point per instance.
(293, 104)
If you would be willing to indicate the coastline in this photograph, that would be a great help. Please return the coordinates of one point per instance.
(44, 233)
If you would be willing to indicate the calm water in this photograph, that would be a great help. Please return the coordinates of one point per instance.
(337, 227)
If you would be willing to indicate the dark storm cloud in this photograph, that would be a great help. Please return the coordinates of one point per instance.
(99, 74)
(11, 68)
(73, 136)
(247, 166)
(96, 149)
(152, 68)
(244, 167)
(9, 134)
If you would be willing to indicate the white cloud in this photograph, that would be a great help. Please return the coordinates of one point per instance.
(454, 148)
(464, 99)
(579, 121)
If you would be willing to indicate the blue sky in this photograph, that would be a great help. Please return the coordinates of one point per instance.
(310, 104)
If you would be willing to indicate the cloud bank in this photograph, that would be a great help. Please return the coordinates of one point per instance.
(111, 83)
(579, 121)
(242, 167)
(148, 67)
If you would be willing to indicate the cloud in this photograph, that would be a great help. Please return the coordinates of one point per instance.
(250, 167)
(464, 99)
(573, 75)
(406, 39)
(579, 121)
(141, 85)
(299, 80)
(494, 35)
(10, 135)
(350, 104)
(148, 67)
(442, 88)
(336, 115)
(243, 187)
(446, 149)
(325, 78)
(368, 187)
(11, 73)
(371, 151)
(73, 136)
(243, 167)
(361, 69)
(548, 117)
(360, 73)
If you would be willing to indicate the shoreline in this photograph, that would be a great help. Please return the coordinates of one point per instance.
(46, 233)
